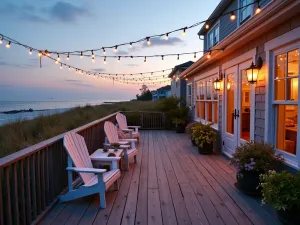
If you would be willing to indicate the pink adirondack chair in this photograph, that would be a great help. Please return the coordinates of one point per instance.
(122, 122)
(95, 181)
(128, 145)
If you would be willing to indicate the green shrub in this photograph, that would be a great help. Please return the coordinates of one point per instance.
(255, 156)
(281, 190)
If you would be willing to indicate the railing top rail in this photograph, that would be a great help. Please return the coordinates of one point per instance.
(142, 112)
(7, 160)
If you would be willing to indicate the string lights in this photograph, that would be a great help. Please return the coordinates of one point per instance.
(231, 14)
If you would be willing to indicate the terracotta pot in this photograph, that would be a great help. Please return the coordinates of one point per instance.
(291, 217)
(206, 149)
(248, 182)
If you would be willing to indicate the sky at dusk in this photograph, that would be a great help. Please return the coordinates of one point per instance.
(75, 25)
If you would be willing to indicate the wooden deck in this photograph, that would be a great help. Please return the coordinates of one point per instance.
(171, 184)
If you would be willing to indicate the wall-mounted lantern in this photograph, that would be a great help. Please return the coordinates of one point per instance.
(218, 82)
(253, 70)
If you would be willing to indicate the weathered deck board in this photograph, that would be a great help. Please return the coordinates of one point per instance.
(170, 184)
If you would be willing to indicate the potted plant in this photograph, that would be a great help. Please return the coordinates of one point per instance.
(252, 159)
(282, 191)
(204, 137)
(179, 124)
(188, 129)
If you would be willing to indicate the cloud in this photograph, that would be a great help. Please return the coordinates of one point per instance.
(22, 66)
(78, 83)
(66, 12)
(98, 69)
(61, 11)
(121, 52)
(162, 42)
(132, 64)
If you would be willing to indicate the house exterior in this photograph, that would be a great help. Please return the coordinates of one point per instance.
(178, 85)
(240, 111)
(163, 92)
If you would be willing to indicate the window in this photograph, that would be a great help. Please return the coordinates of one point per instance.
(286, 101)
(206, 101)
(246, 12)
(213, 36)
(189, 95)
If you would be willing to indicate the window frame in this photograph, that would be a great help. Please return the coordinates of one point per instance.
(251, 9)
(212, 30)
(290, 159)
(189, 85)
(206, 101)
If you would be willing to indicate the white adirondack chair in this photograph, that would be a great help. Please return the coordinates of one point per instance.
(122, 122)
(95, 181)
(112, 137)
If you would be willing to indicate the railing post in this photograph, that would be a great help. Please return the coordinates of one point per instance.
(142, 119)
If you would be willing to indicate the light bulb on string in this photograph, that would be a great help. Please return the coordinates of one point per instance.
(195, 55)
(116, 48)
(209, 55)
(1, 41)
(68, 57)
(40, 54)
(8, 44)
(162, 57)
(81, 55)
(184, 31)
(178, 57)
(258, 9)
(105, 60)
(145, 60)
(148, 41)
(30, 52)
(56, 62)
(207, 26)
(119, 58)
(93, 56)
(57, 59)
(232, 16)
(167, 36)
(69, 68)
(60, 66)
(104, 52)
(130, 44)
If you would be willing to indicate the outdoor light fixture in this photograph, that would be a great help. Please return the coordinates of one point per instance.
(252, 71)
(218, 82)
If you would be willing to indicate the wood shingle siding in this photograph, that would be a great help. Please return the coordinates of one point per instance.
(226, 25)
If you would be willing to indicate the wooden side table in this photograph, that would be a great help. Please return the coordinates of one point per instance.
(99, 157)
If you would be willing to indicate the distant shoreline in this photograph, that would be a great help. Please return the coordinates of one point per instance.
(22, 110)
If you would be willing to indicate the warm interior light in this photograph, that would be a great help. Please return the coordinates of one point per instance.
(228, 85)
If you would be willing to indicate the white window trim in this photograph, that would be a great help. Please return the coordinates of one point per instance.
(211, 30)
(187, 93)
(282, 44)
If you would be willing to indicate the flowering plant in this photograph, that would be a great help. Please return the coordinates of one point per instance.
(281, 190)
(189, 127)
(255, 156)
(203, 134)
(177, 121)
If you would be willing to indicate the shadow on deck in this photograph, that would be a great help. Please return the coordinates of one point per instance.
(170, 184)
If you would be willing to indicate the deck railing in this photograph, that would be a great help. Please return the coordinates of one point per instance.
(32, 179)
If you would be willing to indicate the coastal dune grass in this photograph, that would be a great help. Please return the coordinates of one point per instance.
(24, 133)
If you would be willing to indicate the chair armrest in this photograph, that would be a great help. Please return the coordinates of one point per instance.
(128, 130)
(129, 140)
(134, 126)
(86, 170)
(106, 159)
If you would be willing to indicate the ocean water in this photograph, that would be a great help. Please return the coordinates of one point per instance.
(45, 107)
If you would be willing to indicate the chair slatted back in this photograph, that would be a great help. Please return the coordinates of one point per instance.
(111, 132)
(77, 150)
(122, 121)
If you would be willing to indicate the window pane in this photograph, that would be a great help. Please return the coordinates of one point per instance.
(279, 90)
(208, 89)
(292, 89)
(280, 71)
(287, 128)
(198, 90)
(215, 94)
(198, 109)
(245, 107)
(202, 116)
(216, 113)
(202, 91)
(230, 104)
(209, 111)
(293, 63)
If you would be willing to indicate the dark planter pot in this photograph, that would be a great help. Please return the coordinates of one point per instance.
(193, 142)
(206, 149)
(180, 128)
(289, 217)
(248, 181)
